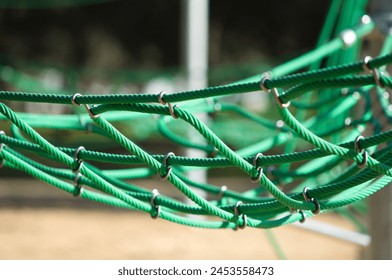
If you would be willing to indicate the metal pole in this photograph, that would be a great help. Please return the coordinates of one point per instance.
(380, 204)
(335, 231)
(196, 64)
(196, 43)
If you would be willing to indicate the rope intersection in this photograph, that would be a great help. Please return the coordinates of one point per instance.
(307, 156)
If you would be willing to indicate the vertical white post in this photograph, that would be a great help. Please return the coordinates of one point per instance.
(196, 42)
(196, 64)
(380, 205)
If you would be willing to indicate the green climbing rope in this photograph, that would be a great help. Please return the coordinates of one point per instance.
(302, 157)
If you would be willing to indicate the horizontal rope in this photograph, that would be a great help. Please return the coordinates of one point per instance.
(275, 155)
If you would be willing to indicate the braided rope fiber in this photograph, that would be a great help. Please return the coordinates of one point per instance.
(301, 158)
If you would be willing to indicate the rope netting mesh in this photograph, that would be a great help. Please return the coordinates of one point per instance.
(306, 157)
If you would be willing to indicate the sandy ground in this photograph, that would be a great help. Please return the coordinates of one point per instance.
(38, 221)
(95, 234)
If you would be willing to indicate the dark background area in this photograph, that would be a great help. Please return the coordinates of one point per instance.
(147, 34)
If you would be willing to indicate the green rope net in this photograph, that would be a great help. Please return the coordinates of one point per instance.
(306, 157)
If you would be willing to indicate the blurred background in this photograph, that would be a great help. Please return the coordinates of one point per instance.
(101, 43)
(140, 46)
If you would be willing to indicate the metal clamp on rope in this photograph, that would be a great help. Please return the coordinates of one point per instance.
(303, 220)
(238, 215)
(366, 19)
(349, 37)
(361, 151)
(2, 144)
(73, 101)
(1, 149)
(279, 124)
(171, 108)
(264, 79)
(168, 168)
(258, 169)
(78, 189)
(212, 103)
(214, 152)
(88, 109)
(294, 211)
(221, 193)
(375, 72)
(311, 199)
(78, 161)
(278, 100)
(157, 208)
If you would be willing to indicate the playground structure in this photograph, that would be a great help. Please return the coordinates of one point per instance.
(329, 126)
